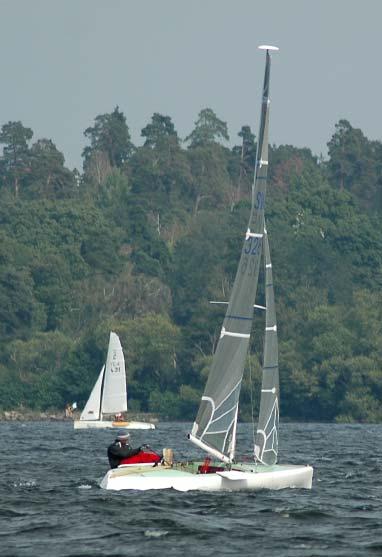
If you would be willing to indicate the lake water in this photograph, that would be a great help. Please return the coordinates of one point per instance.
(51, 503)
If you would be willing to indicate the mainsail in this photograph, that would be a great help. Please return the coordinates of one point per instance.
(266, 443)
(214, 428)
(93, 405)
(114, 396)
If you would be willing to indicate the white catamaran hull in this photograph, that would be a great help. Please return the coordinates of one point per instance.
(244, 477)
(104, 424)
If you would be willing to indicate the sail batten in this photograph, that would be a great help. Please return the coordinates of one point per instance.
(214, 428)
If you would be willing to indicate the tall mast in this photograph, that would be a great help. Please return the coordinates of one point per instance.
(214, 428)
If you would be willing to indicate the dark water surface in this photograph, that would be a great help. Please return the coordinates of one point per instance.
(51, 505)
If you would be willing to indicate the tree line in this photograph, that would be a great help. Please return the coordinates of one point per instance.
(145, 236)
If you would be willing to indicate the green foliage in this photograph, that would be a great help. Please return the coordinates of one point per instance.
(209, 129)
(35, 366)
(146, 237)
(165, 403)
(149, 252)
(20, 312)
(15, 163)
(150, 344)
(173, 406)
(355, 164)
(160, 130)
(51, 277)
(211, 185)
(48, 177)
(110, 135)
(161, 178)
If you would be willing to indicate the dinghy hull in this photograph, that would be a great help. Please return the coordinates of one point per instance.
(104, 424)
(184, 477)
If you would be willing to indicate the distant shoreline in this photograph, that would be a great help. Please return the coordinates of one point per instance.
(25, 415)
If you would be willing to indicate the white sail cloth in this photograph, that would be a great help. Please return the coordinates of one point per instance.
(109, 394)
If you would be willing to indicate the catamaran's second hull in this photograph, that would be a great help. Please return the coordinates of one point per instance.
(185, 478)
(104, 424)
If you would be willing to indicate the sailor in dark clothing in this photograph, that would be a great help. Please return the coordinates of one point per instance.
(120, 449)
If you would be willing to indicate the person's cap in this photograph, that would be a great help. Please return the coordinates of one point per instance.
(123, 437)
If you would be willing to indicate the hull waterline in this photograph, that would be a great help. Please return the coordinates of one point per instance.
(104, 424)
(185, 478)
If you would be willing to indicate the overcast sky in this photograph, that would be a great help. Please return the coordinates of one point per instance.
(63, 62)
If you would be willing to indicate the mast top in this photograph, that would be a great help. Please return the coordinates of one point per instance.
(268, 47)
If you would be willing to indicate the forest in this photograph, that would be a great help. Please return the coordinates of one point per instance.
(144, 237)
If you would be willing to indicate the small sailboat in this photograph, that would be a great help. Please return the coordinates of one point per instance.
(109, 395)
(215, 426)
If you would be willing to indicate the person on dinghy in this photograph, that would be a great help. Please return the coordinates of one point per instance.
(121, 453)
(121, 449)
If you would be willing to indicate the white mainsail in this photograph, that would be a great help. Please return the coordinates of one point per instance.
(214, 428)
(114, 395)
(93, 405)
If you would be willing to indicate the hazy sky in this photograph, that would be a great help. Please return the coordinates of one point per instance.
(63, 62)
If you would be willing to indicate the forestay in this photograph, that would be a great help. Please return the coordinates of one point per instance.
(114, 397)
(93, 405)
(215, 426)
(266, 444)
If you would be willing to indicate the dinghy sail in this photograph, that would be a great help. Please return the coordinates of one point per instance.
(114, 396)
(214, 429)
(266, 444)
(92, 410)
(109, 394)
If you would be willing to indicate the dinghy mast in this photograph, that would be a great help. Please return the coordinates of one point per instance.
(214, 429)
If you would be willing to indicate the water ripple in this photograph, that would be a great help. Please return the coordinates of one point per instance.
(52, 503)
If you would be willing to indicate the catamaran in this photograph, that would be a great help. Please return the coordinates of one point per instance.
(109, 395)
(215, 427)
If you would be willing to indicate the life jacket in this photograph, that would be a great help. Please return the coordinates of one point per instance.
(143, 457)
(206, 467)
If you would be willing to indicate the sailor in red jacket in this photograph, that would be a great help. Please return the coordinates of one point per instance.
(120, 449)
